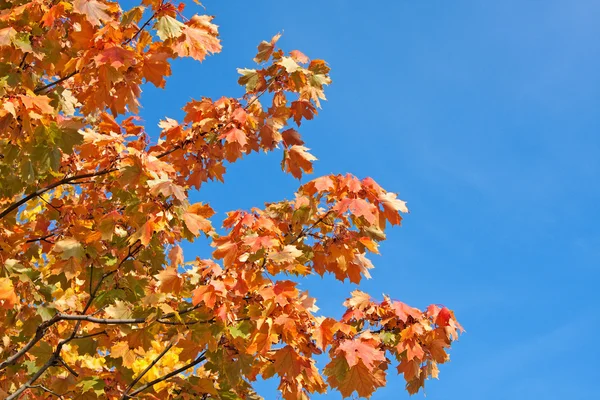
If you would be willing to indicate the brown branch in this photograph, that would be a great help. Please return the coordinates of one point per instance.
(245, 108)
(307, 229)
(45, 389)
(72, 74)
(41, 330)
(145, 371)
(56, 82)
(140, 29)
(41, 239)
(39, 334)
(67, 367)
(38, 192)
(104, 321)
(73, 179)
(90, 335)
(50, 204)
(148, 385)
(34, 378)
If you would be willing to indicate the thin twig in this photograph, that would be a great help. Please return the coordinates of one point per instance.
(148, 385)
(67, 367)
(75, 178)
(39, 334)
(50, 204)
(307, 229)
(90, 335)
(56, 82)
(38, 192)
(41, 239)
(148, 368)
(45, 389)
(60, 80)
(140, 29)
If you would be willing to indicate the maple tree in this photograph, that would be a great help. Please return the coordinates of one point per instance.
(96, 298)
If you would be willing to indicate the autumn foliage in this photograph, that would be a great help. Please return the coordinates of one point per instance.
(97, 299)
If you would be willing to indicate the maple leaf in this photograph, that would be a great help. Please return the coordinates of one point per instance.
(298, 159)
(156, 67)
(365, 351)
(250, 78)
(68, 102)
(235, 135)
(8, 297)
(323, 334)
(357, 379)
(291, 137)
(298, 56)
(358, 207)
(288, 254)
(288, 362)
(289, 64)
(404, 311)
(391, 207)
(168, 27)
(176, 256)
(196, 218)
(265, 49)
(119, 310)
(359, 300)
(197, 42)
(167, 188)
(437, 349)
(94, 211)
(170, 281)
(69, 247)
(122, 350)
(94, 11)
(144, 233)
(302, 109)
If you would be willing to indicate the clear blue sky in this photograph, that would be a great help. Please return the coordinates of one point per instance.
(484, 116)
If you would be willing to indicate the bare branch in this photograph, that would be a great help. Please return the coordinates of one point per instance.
(45, 389)
(74, 179)
(148, 385)
(309, 228)
(42, 238)
(148, 368)
(38, 192)
(72, 74)
(90, 335)
(56, 82)
(140, 29)
(34, 378)
(67, 367)
(39, 334)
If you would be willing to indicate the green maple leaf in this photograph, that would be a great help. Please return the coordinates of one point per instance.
(168, 28)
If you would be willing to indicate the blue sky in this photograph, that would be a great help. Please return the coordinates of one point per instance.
(484, 117)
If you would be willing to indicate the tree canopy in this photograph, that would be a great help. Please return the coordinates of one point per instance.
(97, 299)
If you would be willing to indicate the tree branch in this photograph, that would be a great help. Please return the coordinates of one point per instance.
(72, 74)
(41, 330)
(38, 192)
(34, 378)
(73, 179)
(39, 334)
(148, 368)
(140, 29)
(45, 389)
(148, 385)
(56, 82)
(307, 229)
(90, 335)
(67, 367)
(42, 238)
